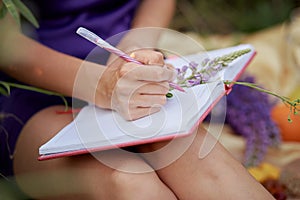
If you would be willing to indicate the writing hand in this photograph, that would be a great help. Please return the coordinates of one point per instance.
(134, 90)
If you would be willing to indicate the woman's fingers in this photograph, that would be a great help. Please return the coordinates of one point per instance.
(146, 101)
(152, 73)
(152, 58)
(140, 99)
(148, 57)
(160, 88)
(141, 95)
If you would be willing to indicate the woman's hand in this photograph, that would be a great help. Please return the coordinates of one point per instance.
(134, 90)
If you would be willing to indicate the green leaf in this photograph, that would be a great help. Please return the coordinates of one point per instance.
(12, 9)
(26, 12)
(3, 91)
(3, 11)
(6, 86)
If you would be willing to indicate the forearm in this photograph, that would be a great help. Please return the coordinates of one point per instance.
(30, 62)
(37, 65)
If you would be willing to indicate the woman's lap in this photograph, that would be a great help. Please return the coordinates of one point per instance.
(89, 176)
(85, 174)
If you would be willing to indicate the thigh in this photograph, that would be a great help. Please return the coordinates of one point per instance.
(15, 110)
(208, 170)
(74, 176)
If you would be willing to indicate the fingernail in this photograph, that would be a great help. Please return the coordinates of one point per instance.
(132, 55)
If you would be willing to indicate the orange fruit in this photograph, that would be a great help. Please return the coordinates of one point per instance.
(290, 131)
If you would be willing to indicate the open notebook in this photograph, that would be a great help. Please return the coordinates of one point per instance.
(96, 129)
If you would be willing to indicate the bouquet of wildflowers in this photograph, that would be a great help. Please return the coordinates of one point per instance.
(248, 105)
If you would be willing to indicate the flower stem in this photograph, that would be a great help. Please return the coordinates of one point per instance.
(293, 104)
(8, 85)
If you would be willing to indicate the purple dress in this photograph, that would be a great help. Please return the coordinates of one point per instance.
(59, 21)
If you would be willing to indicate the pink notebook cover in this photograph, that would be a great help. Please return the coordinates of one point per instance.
(228, 88)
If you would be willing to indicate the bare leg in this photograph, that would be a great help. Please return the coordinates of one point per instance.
(79, 177)
(216, 176)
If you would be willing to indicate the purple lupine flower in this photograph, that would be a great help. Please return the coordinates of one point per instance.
(207, 70)
(181, 73)
(211, 63)
(217, 67)
(184, 68)
(205, 77)
(248, 113)
(193, 66)
(194, 82)
(212, 72)
(205, 61)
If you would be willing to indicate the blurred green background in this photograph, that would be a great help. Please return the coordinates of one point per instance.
(227, 16)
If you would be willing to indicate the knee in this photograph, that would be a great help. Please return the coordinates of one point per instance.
(139, 186)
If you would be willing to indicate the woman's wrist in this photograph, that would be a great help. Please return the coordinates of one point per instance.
(91, 84)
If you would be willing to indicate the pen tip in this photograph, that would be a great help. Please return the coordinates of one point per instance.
(176, 87)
